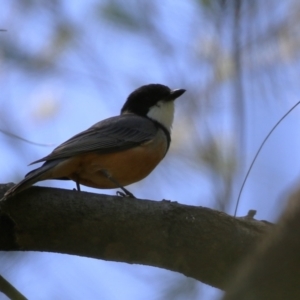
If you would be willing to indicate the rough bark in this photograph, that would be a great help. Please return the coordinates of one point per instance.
(195, 241)
(273, 269)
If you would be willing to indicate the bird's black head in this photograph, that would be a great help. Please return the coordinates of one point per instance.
(142, 99)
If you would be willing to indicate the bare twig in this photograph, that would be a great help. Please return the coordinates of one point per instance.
(10, 291)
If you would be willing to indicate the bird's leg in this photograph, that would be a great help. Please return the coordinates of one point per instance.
(76, 179)
(109, 177)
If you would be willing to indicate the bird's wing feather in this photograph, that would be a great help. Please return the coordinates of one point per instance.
(110, 135)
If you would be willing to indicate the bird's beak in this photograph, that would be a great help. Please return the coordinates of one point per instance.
(175, 94)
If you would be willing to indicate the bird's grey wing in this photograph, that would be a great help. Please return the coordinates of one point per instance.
(110, 135)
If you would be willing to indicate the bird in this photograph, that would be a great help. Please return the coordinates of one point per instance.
(117, 151)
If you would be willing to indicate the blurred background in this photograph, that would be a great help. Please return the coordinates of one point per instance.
(65, 65)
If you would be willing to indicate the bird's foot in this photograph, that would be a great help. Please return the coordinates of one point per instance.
(125, 194)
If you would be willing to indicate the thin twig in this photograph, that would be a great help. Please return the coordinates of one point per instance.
(10, 291)
(12, 135)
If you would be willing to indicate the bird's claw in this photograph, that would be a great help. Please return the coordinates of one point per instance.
(125, 195)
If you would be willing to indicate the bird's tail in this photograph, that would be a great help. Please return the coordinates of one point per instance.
(30, 179)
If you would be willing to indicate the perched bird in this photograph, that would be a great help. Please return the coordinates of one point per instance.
(117, 151)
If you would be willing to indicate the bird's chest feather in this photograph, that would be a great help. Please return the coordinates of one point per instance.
(126, 166)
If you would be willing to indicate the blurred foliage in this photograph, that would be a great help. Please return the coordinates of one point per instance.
(125, 16)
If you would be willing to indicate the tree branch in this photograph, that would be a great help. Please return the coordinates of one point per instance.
(195, 241)
(273, 269)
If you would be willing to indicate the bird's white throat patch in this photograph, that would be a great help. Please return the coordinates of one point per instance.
(163, 113)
